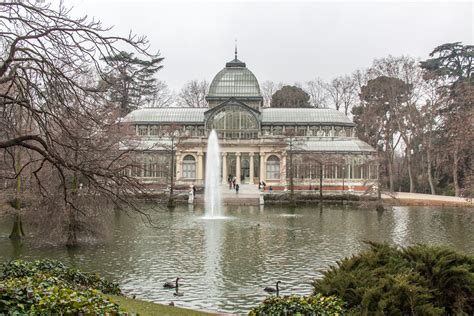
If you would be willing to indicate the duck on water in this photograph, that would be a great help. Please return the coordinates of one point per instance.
(275, 289)
(171, 285)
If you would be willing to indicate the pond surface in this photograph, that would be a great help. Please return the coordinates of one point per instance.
(225, 264)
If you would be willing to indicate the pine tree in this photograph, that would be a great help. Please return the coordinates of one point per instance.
(131, 80)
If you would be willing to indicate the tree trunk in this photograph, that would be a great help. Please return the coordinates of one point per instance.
(410, 173)
(379, 192)
(17, 229)
(72, 220)
(457, 190)
(390, 175)
(430, 177)
(72, 228)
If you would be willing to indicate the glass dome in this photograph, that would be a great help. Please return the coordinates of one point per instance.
(235, 80)
(234, 122)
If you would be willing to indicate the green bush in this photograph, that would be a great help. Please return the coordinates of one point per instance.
(43, 294)
(416, 280)
(48, 287)
(315, 197)
(71, 276)
(299, 305)
(448, 190)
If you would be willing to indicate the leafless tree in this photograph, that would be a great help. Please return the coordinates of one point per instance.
(317, 92)
(174, 137)
(45, 56)
(360, 78)
(341, 92)
(268, 89)
(193, 94)
(435, 95)
(349, 96)
(334, 91)
(163, 96)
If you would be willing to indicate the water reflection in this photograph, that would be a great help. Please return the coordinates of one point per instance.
(212, 268)
(400, 225)
(225, 264)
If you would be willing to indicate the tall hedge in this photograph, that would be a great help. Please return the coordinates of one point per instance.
(415, 280)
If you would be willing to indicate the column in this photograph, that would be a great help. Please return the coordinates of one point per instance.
(283, 168)
(262, 166)
(237, 167)
(224, 168)
(179, 165)
(251, 167)
(200, 168)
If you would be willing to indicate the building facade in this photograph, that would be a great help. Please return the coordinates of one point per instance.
(257, 143)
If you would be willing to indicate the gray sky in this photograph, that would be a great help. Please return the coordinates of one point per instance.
(283, 41)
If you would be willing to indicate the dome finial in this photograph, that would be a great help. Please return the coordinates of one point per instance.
(236, 49)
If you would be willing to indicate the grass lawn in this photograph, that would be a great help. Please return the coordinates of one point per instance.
(147, 308)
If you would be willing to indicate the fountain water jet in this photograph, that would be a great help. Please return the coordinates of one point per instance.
(212, 194)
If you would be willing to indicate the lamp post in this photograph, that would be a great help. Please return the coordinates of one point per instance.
(343, 175)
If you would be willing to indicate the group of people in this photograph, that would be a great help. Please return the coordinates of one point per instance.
(232, 181)
(233, 185)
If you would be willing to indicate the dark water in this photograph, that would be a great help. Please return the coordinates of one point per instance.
(225, 264)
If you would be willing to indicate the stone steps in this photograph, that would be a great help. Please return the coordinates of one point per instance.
(248, 195)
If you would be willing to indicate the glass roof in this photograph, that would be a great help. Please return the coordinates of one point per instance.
(304, 115)
(167, 115)
(336, 145)
(234, 81)
(283, 116)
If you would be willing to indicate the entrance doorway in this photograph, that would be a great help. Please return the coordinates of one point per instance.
(244, 173)
(245, 170)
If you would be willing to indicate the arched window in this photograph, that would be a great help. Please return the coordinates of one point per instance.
(273, 168)
(189, 167)
(234, 122)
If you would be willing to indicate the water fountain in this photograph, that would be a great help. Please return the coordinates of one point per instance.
(212, 193)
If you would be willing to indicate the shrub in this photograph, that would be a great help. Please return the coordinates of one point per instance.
(48, 287)
(416, 280)
(71, 276)
(300, 305)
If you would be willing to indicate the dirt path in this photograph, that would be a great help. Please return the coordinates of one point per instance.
(403, 198)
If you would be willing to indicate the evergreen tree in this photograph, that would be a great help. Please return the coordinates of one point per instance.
(453, 63)
(375, 118)
(131, 80)
(290, 97)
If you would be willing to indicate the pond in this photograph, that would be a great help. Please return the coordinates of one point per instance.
(225, 264)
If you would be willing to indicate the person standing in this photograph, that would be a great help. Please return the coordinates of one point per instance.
(237, 188)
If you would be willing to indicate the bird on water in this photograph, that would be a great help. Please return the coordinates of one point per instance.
(171, 285)
(275, 289)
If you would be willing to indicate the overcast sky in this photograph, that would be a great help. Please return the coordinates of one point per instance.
(283, 41)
